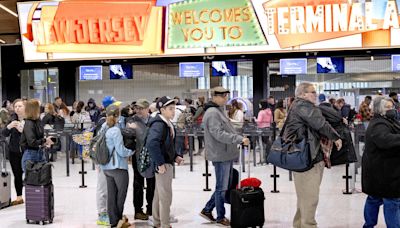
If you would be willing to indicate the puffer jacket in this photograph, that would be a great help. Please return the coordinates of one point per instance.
(306, 118)
(220, 136)
(381, 159)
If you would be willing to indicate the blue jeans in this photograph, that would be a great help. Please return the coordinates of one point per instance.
(391, 211)
(223, 171)
(31, 155)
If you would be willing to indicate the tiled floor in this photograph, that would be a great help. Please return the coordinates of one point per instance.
(76, 207)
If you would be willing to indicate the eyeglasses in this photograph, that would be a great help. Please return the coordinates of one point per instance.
(313, 92)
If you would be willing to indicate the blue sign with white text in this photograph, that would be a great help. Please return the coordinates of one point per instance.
(90, 73)
(293, 66)
(191, 70)
(395, 62)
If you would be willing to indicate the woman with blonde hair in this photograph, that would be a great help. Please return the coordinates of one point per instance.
(13, 130)
(32, 138)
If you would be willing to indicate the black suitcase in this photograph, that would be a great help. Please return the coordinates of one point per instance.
(5, 180)
(39, 204)
(247, 204)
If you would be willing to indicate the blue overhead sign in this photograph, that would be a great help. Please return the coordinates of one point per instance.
(191, 70)
(293, 66)
(90, 73)
(395, 62)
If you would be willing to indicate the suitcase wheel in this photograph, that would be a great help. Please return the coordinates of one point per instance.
(51, 221)
(27, 221)
(42, 223)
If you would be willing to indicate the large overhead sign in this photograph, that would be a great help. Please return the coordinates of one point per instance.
(89, 29)
(310, 24)
(217, 23)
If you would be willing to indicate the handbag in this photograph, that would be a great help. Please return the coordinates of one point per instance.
(38, 173)
(291, 154)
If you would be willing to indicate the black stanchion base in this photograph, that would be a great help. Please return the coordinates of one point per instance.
(207, 189)
(274, 191)
(84, 186)
(80, 172)
(345, 192)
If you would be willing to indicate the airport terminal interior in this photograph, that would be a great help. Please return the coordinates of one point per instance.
(82, 79)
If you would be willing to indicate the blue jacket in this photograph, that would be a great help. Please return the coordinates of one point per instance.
(114, 140)
(161, 151)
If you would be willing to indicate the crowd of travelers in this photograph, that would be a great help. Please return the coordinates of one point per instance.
(325, 122)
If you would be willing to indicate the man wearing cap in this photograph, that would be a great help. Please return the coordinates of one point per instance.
(221, 140)
(160, 144)
(140, 119)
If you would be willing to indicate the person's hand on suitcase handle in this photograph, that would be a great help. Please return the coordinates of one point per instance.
(245, 141)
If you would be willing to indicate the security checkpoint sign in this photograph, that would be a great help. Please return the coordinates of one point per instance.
(191, 70)
(293, 66)
(211, 23)
(90, 73)
(396, 63)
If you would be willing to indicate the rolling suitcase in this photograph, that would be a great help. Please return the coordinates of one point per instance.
(247, 203)
(5, 181)
(39, 204)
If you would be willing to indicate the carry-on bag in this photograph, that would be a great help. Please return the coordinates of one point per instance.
(39, 203)
(247, 203)
(5, 180)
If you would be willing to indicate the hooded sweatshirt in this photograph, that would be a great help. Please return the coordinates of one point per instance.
(94, 111)
(220, 136)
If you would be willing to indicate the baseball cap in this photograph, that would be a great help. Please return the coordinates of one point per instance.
(164, 101)
(108, 100)
(112, 110)
(321, 97)
(142, 103)
(219, 90)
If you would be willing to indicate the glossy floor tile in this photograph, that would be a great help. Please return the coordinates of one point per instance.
(76, 207)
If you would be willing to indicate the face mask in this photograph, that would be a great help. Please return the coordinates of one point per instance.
(391, 114)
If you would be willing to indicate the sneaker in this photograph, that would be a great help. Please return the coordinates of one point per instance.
(207, 215)
(123, 223)
(141, 216)
(103, 220)
(224, 222)
(172, 219)
(150, 221)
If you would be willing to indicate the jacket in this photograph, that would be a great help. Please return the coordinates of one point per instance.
(115, 141)
(94, 112)
(365, 112)
(162, 150)
(279, 117)
(381, 158)
(220, 136)
(141, 125)
(15, 136)
(48, 119)
(264, 118)
(306, 118)
(346, 154)
(33, 135)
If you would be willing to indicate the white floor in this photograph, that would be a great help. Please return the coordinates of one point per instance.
(76, 207)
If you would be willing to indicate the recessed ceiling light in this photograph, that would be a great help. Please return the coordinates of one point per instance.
(2, 41)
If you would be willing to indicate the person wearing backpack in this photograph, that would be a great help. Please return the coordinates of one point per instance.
(116, 170)
(162, 154)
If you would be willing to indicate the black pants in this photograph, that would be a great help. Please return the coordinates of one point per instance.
(15, 160)
(117, 187)
(138, 185)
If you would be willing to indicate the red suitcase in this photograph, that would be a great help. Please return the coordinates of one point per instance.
(39, 202)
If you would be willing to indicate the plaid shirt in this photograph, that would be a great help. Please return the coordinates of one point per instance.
(365, 112)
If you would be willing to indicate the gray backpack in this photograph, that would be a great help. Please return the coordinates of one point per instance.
(98, 150)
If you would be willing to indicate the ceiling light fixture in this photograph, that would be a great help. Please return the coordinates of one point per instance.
(2, 41)
(8, 10)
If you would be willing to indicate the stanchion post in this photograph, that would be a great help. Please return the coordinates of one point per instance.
(191, 152)
(83, 172)
(67, 152)
(275, 184)
(207, 189)
(347, 177)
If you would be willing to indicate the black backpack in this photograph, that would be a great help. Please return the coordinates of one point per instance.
(38, 173)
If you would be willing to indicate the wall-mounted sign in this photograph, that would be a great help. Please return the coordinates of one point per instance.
(396, 63)
(330, 65)
(224, 68)
(293, 66)
(89, 29)
(90, 73)
(121, 71)
(191, 70)
(217, 23)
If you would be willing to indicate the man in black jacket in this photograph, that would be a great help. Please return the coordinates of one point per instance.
(306, 118)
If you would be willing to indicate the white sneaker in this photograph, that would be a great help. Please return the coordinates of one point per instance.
(150, 221)
(172, 219)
